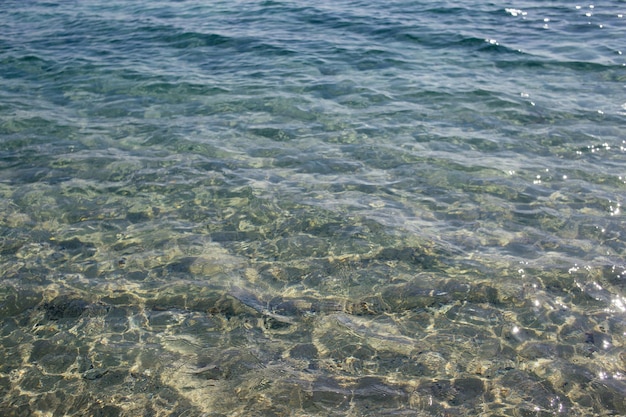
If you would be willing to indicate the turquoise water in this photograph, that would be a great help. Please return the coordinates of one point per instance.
(292, 209)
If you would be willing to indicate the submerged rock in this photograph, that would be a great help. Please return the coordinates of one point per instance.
(64, 307)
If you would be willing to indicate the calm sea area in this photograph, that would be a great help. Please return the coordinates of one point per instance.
(331, 208)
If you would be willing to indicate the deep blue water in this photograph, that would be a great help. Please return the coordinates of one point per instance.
(296, 208)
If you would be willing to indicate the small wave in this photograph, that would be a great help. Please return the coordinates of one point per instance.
(455, 40)
(184, 40)
(538, 63)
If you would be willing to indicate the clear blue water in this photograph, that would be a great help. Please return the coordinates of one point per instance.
(329, 208)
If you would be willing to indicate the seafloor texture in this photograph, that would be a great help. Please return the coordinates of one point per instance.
(230, 304)
(333, 208)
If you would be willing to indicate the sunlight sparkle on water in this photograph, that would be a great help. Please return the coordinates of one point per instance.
(618, 303)
(515, 12)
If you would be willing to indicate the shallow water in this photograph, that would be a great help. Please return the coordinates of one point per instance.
(346, 208)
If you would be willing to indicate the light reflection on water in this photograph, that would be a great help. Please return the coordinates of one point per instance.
(278, 300)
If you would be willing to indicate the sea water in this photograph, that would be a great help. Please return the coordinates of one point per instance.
(290, 208)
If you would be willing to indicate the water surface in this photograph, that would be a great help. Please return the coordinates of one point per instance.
(339, 208)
